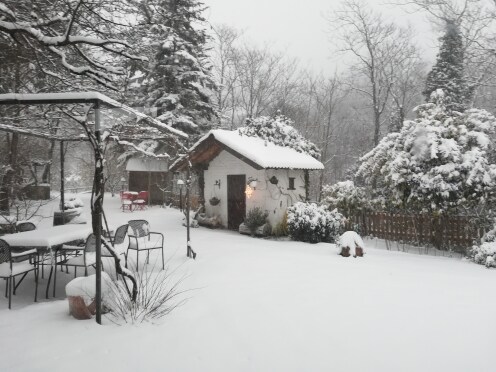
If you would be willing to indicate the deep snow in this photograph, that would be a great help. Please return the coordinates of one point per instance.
(268, 305)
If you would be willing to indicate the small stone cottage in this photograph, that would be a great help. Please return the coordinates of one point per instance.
(238, 173)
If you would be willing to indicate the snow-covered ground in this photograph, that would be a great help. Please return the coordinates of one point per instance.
(267, 305)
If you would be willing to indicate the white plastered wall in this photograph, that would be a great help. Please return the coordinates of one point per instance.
(269, 197)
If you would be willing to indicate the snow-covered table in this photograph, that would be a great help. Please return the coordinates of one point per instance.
(48, 239)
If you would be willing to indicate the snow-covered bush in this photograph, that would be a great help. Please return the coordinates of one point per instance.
(255, 218)
(309, 222)
(438, 162)
(485, 253)
(345, 196)
(158, 295)
(280, 131)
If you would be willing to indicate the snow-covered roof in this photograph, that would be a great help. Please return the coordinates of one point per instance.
(254, 150)
(147, 165)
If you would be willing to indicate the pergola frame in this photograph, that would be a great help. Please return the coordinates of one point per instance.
(95, 100)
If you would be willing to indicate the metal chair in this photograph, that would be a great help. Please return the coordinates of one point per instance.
(141, 201)
(86, 257)
(142, 239)
(127, 202)
(10, 268)
(25, 226)
(118, 243)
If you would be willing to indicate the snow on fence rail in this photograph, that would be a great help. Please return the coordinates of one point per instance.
(453, 232)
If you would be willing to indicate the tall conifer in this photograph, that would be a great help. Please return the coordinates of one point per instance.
(448, 71)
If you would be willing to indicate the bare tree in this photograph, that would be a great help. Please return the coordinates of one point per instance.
(377, 46)
(261, 75)
(224, 68)
(81, 37)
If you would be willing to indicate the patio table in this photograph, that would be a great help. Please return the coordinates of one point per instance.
(48, 240)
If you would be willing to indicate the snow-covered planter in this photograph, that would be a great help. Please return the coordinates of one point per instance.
(73, 202)
(80, 293)
(263, 230)
(485, 253)
(213, 222)
(309, 222)
(350, 243)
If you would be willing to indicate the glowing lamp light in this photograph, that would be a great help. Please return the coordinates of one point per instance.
(248, 191)
(253, 184)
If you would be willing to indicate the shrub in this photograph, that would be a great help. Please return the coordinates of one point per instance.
(158, 295)
(485, 253)
(309, 222)
(345, 196)
(255, 218)
(281, 229)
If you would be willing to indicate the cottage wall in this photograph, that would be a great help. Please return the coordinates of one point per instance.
(273, 198)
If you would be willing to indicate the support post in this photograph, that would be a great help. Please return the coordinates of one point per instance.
(307, 185)
(97, 214)
(188, 183)
(149, 188)
(62, 183)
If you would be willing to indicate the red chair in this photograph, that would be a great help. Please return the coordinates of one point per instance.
(127, 201)
(141, 201)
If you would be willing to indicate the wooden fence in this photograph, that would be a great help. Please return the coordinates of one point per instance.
(448, 233)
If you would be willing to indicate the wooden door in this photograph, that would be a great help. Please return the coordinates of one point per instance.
(236, 200)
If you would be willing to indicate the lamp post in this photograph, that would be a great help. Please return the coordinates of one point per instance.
(180, 183)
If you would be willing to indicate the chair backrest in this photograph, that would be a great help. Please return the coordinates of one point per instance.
(143, 195)
(4, 251)
(25, 226)
(120, 234)
(90, 245)
(140, 227)
(127, 196)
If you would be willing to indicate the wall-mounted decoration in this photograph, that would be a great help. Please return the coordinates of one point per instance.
(214, 201)
(273, 180)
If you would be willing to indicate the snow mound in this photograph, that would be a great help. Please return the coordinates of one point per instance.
(351, 240)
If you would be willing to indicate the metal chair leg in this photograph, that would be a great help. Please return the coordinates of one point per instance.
(148, 257)
(6, 287)
(163, 261)
(36, 273)
(10, 292)
(54, 280)
(14, 285)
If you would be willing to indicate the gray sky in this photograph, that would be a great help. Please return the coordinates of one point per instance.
(300, 28)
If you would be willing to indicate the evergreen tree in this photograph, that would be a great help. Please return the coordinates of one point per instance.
(448, 71)
(178, 82)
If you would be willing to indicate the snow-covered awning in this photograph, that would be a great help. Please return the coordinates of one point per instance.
(255, 151)
(147, 165)
(85, 97)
